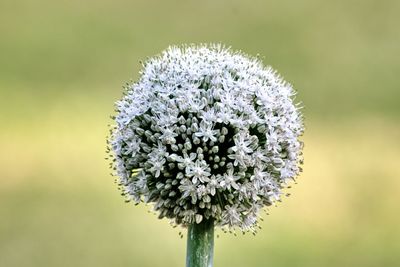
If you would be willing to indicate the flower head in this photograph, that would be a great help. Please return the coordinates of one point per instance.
(207, 133)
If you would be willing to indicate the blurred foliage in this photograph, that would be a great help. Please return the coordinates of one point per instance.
(63, 64)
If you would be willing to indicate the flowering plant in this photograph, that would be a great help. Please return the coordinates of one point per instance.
(207, 134)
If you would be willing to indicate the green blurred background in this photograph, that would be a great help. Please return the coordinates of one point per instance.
(63, 64)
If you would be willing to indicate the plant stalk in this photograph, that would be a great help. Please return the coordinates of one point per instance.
(200, 244)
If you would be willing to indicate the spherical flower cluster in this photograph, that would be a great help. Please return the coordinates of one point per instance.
(206, 133)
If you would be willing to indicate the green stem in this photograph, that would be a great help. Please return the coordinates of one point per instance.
(200, 244)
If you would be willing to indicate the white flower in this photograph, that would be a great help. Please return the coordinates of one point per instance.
(186, 161)
(260, 178)
(208, 116)
(199, 171)
(231, 215)
(168, 135)
(229, 180)
(157, 167)
(213, 184)
(259, 157)
(241, 149)
(206, 133)
(188, 189)
(132, 147)
(242, 143)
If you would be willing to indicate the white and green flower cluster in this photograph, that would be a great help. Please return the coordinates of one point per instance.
(206, 133)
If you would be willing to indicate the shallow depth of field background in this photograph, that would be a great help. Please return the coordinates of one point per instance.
(63, 64)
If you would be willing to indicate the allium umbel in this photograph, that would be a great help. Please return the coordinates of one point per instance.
(207, 133)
